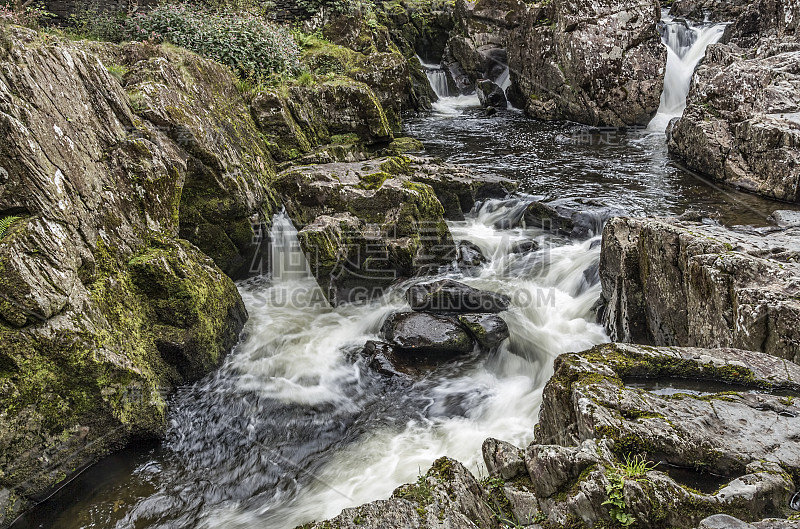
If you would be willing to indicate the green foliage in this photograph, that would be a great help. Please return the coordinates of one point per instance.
(255, 49)
(117, 70)
(95, 24)
(616, 500)
(6, 223)
(28, 13)
(636, 466)
(334, 6)
(305, 79)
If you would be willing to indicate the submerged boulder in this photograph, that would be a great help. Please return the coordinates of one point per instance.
(594, 62)
(448, 296)
(675, 282)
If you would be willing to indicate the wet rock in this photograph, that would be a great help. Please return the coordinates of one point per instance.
(447, 495)
(724, 521)
(581, 219)
(503, 459)
(524, 247)
(748, 137)
(106, 306)
(381, 358)
(448, 296)
(786, 219)
(673, 282)
(489, 330)
(594, 62)
(426, 334)
(491, 95)
(469, 259)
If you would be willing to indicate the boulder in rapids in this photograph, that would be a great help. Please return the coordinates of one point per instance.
(426, 334)
(448, 296)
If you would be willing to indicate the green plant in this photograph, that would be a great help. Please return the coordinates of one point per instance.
(615, 490)
(28, 13)
(305, 79)
(6, 223)
(117, 70)
(636, 466)
(95, 24)
(255, 49)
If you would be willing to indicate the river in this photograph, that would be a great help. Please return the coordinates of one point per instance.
(293, 427)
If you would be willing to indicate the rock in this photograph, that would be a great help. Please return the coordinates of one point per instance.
(469, 258)
(524, 247)
(503, 459)
(594, 62)
(747, 137)
(106, 306)
(764, 21)
(731, 433)
(446, 496)
(710, 10)
(448, 296)
(673, 282)
(578, 218)
(382, 359)
(426, 335)
(489, 330)
(491, 95)
(785, 218)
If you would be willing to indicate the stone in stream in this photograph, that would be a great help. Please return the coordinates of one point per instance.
(426, 334)
(676, 282)
(577, 218)
(469, 258)
(785, 218)
(489, 330)
(447, 296)
(490, 95)
(597, 416)
(524, 247)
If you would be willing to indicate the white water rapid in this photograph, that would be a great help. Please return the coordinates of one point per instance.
(297, 352)
(686, 46)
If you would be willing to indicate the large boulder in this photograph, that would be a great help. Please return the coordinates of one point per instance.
(578, 218)
(491, 95)
(426, 334)
(448, 296)
(105, 308)
(675, 282)
(593, 62)
(365, 225)
(741, 124)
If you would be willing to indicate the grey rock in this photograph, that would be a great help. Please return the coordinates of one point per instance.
(503, 459)
(448, 296)
(711, 10)
(578, 218)
(673, 282)
(724, 521)
(426, 334)
(747, 137)
(489, 330)
(594, 62)
(469, 258)
(491, 95)
(785, 218)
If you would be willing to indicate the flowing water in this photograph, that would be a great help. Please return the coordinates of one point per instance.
(293, 427)
(686, 44)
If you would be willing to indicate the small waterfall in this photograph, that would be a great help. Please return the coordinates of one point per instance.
(288, 260)
(437, 77)
(686, 46)
(504, 80)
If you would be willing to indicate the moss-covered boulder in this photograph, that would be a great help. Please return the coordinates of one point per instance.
(105, 309)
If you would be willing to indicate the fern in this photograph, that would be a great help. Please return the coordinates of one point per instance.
(6, 223)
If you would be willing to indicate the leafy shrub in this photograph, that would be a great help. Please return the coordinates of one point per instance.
(95, 24)
(254, 48)
(24, 13)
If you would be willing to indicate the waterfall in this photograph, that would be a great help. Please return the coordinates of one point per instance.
(437, 78)
(504, 80)
(686, 46)
(288, 260)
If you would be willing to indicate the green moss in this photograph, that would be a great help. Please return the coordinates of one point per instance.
(373, 180)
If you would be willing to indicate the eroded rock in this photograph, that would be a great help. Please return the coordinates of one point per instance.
(674, 282)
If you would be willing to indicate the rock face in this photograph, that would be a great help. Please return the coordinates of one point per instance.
(365, 225)
(590, 62)
(106, 306)
(604, 409)
(747, 136)
(712, 10)
(673, 282)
